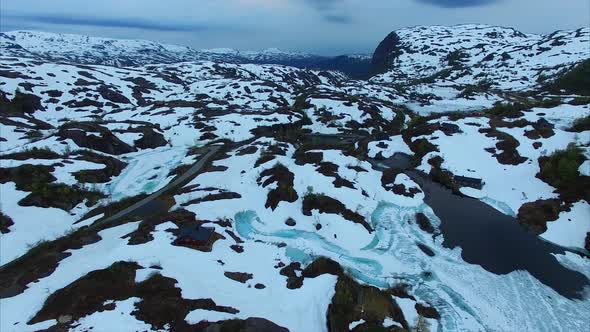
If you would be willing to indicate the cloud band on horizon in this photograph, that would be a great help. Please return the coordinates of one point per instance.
(110, 22)
(458, 3)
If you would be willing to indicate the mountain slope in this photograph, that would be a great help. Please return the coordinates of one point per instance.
(469, 54)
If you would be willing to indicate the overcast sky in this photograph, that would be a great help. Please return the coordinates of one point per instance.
(318, 26)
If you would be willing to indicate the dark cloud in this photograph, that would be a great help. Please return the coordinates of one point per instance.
(340, 19)
(458, 3)
(323, 4)
(330, 11)
(109, 22)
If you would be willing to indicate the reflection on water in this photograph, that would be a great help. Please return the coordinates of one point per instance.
(496, 241)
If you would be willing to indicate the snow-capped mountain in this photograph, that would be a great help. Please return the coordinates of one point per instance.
(126, 53)
(469, 54)
(206, 194)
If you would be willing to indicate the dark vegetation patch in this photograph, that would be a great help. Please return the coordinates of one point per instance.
(356, 168)
(498, 122)
(581, 124)
(388, 183)
(113, 207)
(88, 294)
(27, 177)
(507, 145)
(427, 311)
(162, 304)
(39, 261)
(534, 215)
(13, 74)
(331, 170)
(237, 248)
(541, 129)
(576, 80)
(213, 197)
(161, 301)
(237, 325)
(60, 196)
(508, 110)
(421, 147)
(400, 189)
(303, 157)
(270, 153)
(284, 191)
(141, 86)
(388, 178)
(353, 302)
(112, 95)
(86, 102)
(290, 132)
(471, 90)
(329, 205)
(441, 175)
(113, 168)
(34, 153)
(5, 223)
(21, 104)
(38, 180)
(53, 93)
(290, 271)
(320, 266)
(150, 138)
(561, 171)
(105, 142)
(180, 169)
(251, 149)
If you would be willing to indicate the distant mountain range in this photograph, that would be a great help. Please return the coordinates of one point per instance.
(128, 53)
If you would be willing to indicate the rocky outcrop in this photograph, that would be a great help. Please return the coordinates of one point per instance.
(161, 301)
(94, 136)
(113, 167)
(238, 276)
(112, 95)
(247, 325)
(329, 205)
(284, 191)
(150, 139)
(385, 54)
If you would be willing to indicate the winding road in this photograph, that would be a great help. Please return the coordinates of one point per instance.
(174, 184)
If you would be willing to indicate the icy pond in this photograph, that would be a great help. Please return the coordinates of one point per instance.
(483, 263)
(496, 241)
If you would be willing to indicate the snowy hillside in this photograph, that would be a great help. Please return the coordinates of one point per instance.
(125, 53)
(470, 54)
(144, 188)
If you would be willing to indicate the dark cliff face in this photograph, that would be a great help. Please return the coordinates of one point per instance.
(386, 52)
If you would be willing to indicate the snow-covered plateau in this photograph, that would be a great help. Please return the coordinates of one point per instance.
(150, 187)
